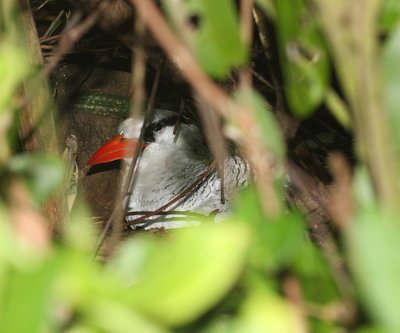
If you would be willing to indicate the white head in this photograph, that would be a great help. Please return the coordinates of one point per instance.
(159, 139)
(167, 129)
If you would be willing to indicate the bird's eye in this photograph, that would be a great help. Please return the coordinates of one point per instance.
(157, 127)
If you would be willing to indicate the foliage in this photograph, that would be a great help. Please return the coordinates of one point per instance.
(252, 273)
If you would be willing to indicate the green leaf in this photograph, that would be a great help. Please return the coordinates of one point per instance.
(80, 231)
(218, 324)
(214, 38)
(42, 173)
(271, 134)
(371, 330)
(373, 243)
(276, 243)
(264, 311)
(363, 190)
(303, 56)
(391, 73)
(79, 328)
(27, 301)
(182, 276)
(339, 109)
(14, 68)
(82, 282)
(283, 244)
(389, 15)
(314, 273)
(111, 316)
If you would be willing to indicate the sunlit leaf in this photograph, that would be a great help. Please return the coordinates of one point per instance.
(391, 72)
(79, 328)
(303, 56)
(214, 38)
(27, 302)
(390, 15)
(339, 109)
(277, 243)
(114, 317)
(283, 244)
(373, 241)
(187, 273)
(264, 311)
(80, 232)
(14, 68)
(6, 251)
(364, 194)
(81, 280)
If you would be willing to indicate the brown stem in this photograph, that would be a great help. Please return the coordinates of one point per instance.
(246, 25)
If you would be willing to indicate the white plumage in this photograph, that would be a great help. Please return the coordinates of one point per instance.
(171, 163)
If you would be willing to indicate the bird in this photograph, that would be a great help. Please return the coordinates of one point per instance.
(174, 156)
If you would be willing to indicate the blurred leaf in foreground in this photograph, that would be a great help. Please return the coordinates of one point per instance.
(282, 244)
(373, 241)
(79, 231)
(390, 15)
(276, 243)
(270, 134)
(268, 7)
(264, 311)
(114, 317)
(26, 275)
(371, 330)
(391, 72)
(303, 56)
(214, 37)
(14, 68)
(182, 276)
(27, 299)
(42, 173)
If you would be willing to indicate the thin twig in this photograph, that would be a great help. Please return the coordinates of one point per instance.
(178, 122)
(199, 181)
(51, 26)
(72, 33)
(166, 213)
(246, 29)
(44, 3)
(171, 216)
(215, 140)
(261, 79)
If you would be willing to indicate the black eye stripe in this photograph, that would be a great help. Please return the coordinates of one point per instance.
(157, 127)
(170, 121)
(162, 123)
